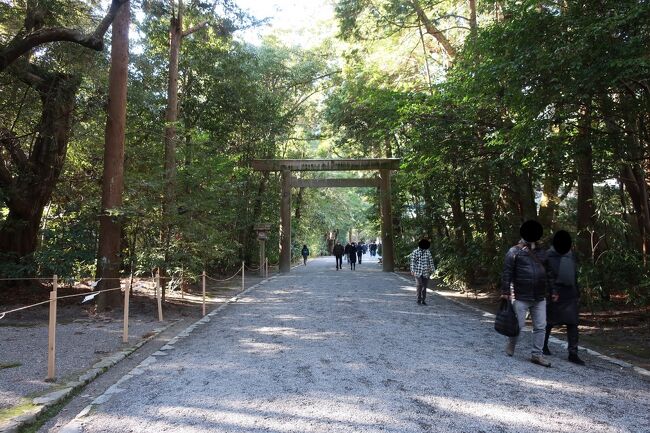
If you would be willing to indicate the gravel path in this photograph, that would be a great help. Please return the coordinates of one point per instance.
(326, 351)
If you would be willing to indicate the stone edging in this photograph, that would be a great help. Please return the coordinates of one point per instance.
(641, 371)
(45, 401)
(76, 425)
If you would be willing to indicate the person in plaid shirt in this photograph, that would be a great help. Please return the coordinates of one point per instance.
(422, 268)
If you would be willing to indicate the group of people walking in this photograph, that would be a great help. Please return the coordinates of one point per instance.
(353, 252)
(542, 282)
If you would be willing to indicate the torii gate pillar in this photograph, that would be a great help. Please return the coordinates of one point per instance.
(285, 223)
(388, 259)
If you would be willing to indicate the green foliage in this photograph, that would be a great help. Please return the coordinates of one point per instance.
(501, 129)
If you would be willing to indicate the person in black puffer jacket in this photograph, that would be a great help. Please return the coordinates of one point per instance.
(563, 308)
(524, 278)
(338, 252)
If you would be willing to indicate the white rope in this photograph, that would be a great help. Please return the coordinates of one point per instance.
(227, 279)
(4, 313)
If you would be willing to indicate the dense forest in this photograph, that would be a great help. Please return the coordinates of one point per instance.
(127, 132)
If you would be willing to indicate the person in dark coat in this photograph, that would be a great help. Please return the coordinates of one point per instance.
(564, 293)
(359, 251)
(338, 252)
(305, 254)
(352, 256)
(524, 282)
(346, 252)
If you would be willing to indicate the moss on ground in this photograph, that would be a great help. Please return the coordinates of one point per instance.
(14, 411)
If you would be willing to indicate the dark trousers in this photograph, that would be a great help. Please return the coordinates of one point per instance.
(421, 283)
(571, 334)
(359, 254)
(339, 262)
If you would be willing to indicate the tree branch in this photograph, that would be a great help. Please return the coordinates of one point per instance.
(21, 45)
(433, 30)
(10, 142)
(196, 28)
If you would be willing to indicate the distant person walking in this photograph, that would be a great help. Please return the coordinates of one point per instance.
(373, 249)
(347, 252)
(305, 254)
(563, 308)
(338, 252)
(524, 281)
(359, 252)
(422, 268)
(352, 256)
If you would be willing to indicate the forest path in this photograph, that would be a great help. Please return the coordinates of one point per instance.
(321, 350)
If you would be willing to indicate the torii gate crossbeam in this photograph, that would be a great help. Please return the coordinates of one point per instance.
(286, 166)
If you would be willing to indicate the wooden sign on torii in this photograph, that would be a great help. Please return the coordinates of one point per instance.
(286, 166)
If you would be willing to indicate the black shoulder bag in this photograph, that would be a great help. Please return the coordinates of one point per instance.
(506, 322)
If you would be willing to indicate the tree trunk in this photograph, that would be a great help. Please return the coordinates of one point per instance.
(461, 230)
(299, 199)
(526, 196)
(330, 238)
(630, 150)
(489, 210)
(473, 23)
(584, 167)
(110, 226)
(28, 191)
(171, 116)
(633, 176)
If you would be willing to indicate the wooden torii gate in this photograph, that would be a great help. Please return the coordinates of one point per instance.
(286, 166)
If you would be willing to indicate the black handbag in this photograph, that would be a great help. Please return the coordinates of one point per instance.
(506, 322)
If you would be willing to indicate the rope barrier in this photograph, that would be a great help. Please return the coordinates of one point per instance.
(227, 279)
(80, 279)
(93, 284)
(93, 293)
(253, 269)
(26, 279)
(2, 315)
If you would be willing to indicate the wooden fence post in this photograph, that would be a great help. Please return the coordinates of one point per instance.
(182, 284)
(158, 298)
(204, 293)
(127, 289)
(243, 271)
(51, 340)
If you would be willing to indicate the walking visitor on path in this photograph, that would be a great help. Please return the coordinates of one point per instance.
(315, 351)
(422, 268)
(524, 282)
(338, 252)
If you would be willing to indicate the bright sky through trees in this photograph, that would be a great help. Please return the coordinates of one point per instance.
(294, 21)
